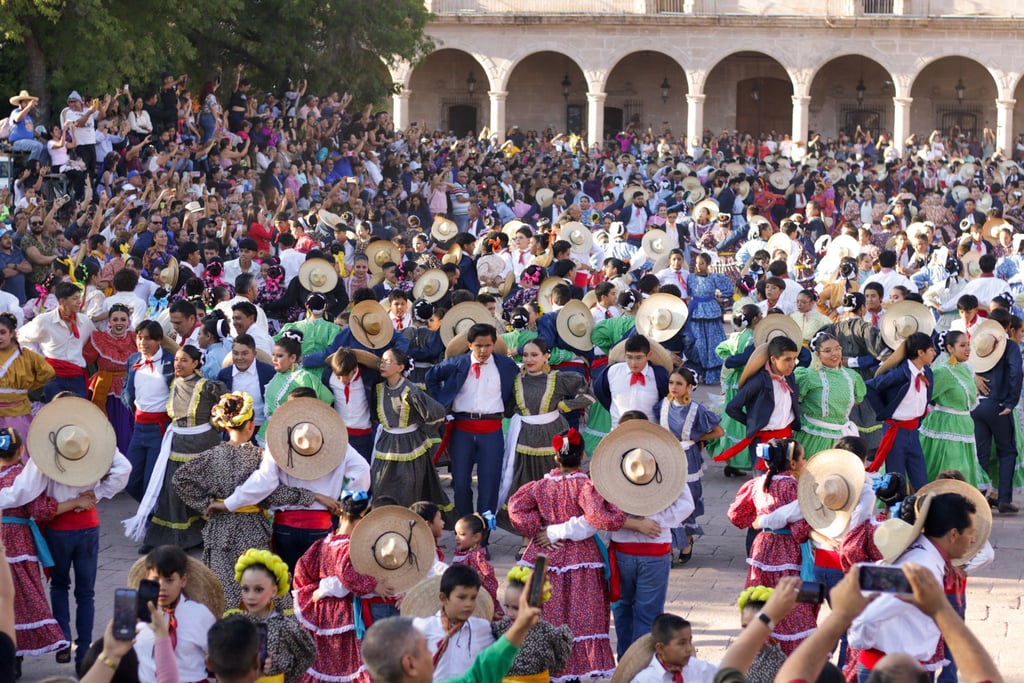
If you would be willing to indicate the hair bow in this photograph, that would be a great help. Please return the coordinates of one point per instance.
(156, 305)
(5, 440)
(763, 451)
(489, 520)
(357, 496)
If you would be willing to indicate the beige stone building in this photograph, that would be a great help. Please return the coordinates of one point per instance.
(792, 66)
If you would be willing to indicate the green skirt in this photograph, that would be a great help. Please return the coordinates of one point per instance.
(947, 441)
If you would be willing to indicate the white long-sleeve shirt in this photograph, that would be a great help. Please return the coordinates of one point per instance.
(31, 482)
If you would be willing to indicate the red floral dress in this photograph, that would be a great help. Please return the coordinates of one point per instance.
(476, 559)
(38, 631)
(775, 555)
(331, 619)
(576, 569)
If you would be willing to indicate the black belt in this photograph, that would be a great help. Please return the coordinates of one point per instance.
(478, 416)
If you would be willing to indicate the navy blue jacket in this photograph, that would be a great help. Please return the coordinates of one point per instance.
(754, 402)
(445, 379)
(128, 393)
(265, 372)
(1004, 380)
(548, 331)
(603, 392)
(345, 338)
(887, 391)
(467, 275)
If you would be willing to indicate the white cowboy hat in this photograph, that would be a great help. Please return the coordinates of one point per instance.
(318, 275)
(580, 239)
(639, 467)
(432, 285)
(443, 229)
(380, 252)
(903, 319)
(574, 323)
(655, 243)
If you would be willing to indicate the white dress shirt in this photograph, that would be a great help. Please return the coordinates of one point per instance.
(889, 279)
(521, 260)
(194, 621)
(479, 395)
(225, 308)
(356, 409)
(915, 402)
(782, 413)
(233, 269)
(463, 647)
(406, 321)
(695, 671)
(668, 519)
(53, 337)
(151, 388)
(249, 382)
(264, 342)
(31, 482)
(985, 288)
(601, 313)
(291, 261)
(626, 396)
(136, 305)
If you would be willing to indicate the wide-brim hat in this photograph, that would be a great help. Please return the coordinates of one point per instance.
(461, 317)
(660, 356)
(544, 259)
(71, 441)
(307, 438)
(508, 284)
(168, 276)
(460, 345)
(423, 600)
(632, 190)
(972, 264)
(755, 363)
(898, 355)
(380, 252)
(432, 285)
(637, 658)
(574, 324)
(893, 536)
(579, 237)
(779, 179)
(454, 255)
(822, 244)
(490, 266)
(544, 292)
(655, 243)
(544, 197)
(843, 246)
(228, 361)
(395, 544)
(202, 585)
(331, 220)
(696, 195)
(779, 241)
(774, 325)
(639, 467)
(982, 512)
(828, 489)
(960, 193)
(661, 316)
(967, 172)
(513, 226)
(371, 325)
(744, 189)
(443, 230)
(364, 358)
(318, 275)
(691, 183)
(709, 204)
(993, 226)
(903, 319)
(20, 97)
(988, 343)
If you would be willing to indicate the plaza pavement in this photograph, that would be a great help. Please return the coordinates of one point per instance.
(704, 591)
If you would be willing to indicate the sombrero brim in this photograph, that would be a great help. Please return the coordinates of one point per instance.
(834, 461)
(261, 355)
(611, 482)
(374, 251)
(754, 364)
(898, 355)
(332, 428)
(636, 659)
(459, 345)
(172, 280)
(891, 550)
(85, 415)
(658, 302)
(202, 585)
(371, 341)
(575, 309)
(902, 309)
(400, 520)
(422, 600)
(307, 269)
(435, 275)
(982, 512)
(649, 243)
(775, 324)
(471, 311)
(660, 356)
(443, 229)
(984, 329)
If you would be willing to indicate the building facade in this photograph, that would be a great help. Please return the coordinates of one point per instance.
(795, 67)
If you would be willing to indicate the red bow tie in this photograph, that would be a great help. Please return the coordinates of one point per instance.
(637, 378)
(778, 378)
(147, 363)
(475, 367)
(72, 321)
(919, 380)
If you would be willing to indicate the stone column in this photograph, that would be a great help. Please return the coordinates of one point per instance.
(694, 121)
(401, 109)
(901, 121)
(801, 114)
(1004, 127)
(595, 117)
(497, 124)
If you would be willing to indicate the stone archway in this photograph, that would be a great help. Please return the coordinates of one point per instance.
(749, 92)
(851, 91)
(636, 94)
(446, 87)
(547, 90)
(961, 113)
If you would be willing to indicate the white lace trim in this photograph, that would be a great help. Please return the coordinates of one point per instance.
(317, 631)
(35, 624)
(59, 645)
(951, 411)
(773, 567)
(590, 674)
(935, 666)
(335, 679)
(22, 558)
(947, 436)
(598, 636)
(563, 477)
(793, 636)
(567, 568)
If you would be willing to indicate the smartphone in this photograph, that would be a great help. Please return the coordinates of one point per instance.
(262, 628)
(149, 592)
(125, 613)
(811, 593)
(540, 570)
(881, 578)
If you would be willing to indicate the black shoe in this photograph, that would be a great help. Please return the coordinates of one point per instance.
(733, 472)
(1008, 509)
(17, 667)
(686, 553)
(992, 502)
(64, 656)
(144, 549)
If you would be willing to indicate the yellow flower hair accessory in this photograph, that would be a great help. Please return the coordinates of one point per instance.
(753, 594)
(253, 557)
(227, 413)
(520, 574)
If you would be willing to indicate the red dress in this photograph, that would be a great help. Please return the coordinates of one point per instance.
(576, 570)
(111, 357)
(775, 555)
(476, 559)
(38, 632)
(331, 620)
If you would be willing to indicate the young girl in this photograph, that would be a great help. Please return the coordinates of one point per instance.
(545, 651)
(110, 351)
(287, 360)
(432, 515)
(263, 576)
(692, 424)
(769, 658)
(325, 587)
(828, 394)
(776, 553)
(734, 353)
(807, 316)
(469, 534)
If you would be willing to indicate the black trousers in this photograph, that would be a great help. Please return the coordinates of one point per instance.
(989, 425)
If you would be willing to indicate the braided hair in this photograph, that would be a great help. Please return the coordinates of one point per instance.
(779, 455)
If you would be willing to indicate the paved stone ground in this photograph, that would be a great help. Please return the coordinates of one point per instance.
(704, 591)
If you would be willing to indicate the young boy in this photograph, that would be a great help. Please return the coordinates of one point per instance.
(454, 636)
(234, 650)
(674, 654)
(188, 622)
(633, 385)
(967, 310)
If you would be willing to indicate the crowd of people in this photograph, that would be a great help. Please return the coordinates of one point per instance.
(272, 322)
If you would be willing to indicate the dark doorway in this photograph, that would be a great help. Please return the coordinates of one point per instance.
(462, 119)
(763, 105)
(613, 122)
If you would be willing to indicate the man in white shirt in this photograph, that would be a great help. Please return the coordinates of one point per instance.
(985, 287)
(605, 308)
(248, 374)
(245, 291)
(243, 317)
(185, 322)
(291, 258)
(245, 263)
(84, 127)
(60, 336)
(888, 277)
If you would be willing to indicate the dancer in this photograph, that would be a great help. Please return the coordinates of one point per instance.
(947, 432)
(21, 371)
(828, 393)
(703, 331)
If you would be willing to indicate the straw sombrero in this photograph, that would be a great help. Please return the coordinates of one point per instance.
(574, 324)
(443, 230)
(982, 512)
(202, 585)
(636, 659)
(364, 358)
(828, 490)
(993, 226)
(331, 220)
(655, 243)
(710, 204)
(422, 600)
(972, 264)
(395, 544)
(544, 197)
(894, 536)
(632, 190)
(779, 179)
(988, 342)
(461, 317)
(432, 285)
(168, 276)
(842, 246)
(696, 195)
(20, 97)
(774, 325)
(579, 237)
(639, 467)
(755, 363)
(661, 316)
(307, 438)
(544, 292)
(779, 241)
(691, 183)
(508, 284)
(371, 325)
(380, 252)
(660, 356)
(513, 226)
(460, 345)
(903, 319)
(453, 256)
(318, 275)
(261, 355)
(72, 442)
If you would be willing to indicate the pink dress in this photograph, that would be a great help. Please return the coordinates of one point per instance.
(775, 555)
(331, 620)
(38, 631)
(576, 570)
(476, 559)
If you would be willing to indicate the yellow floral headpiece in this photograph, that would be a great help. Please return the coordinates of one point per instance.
(264, 558)
(521, 574)
(753, 594)
(220, 417)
